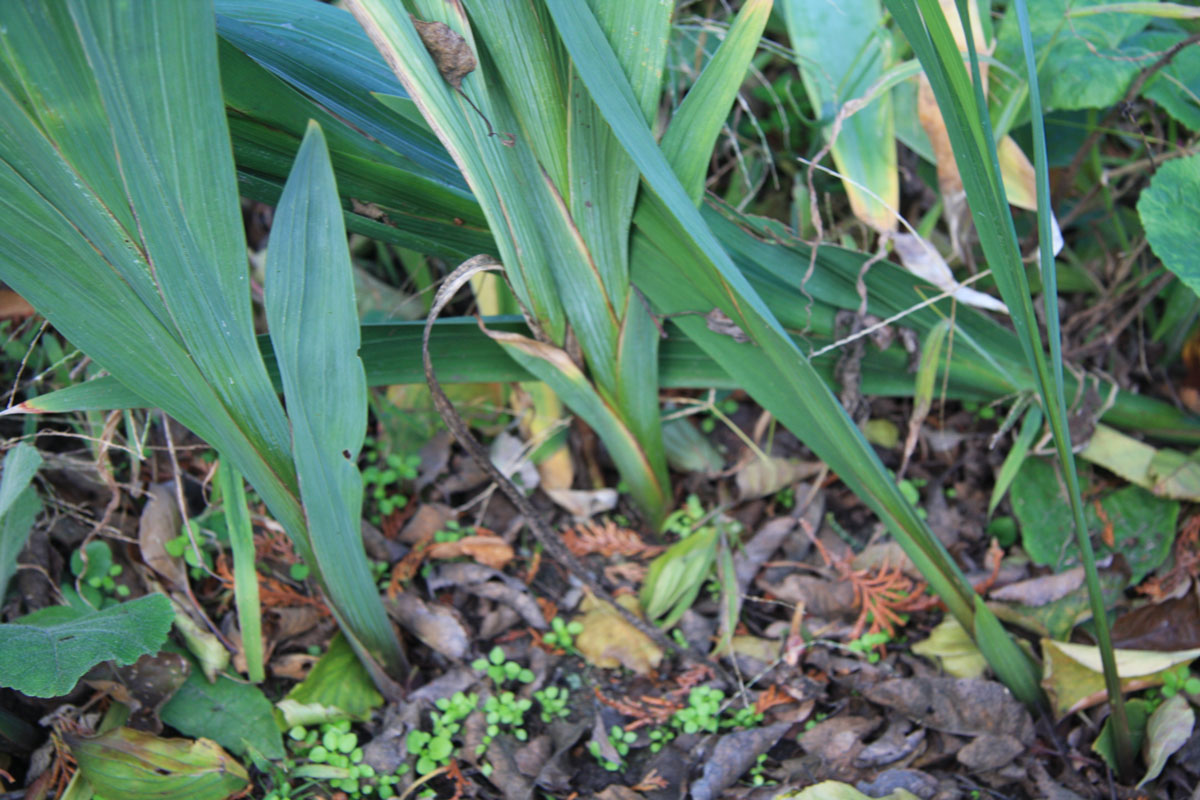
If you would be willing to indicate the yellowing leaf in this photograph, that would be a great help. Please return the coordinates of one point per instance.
(608, 641)
(953, 649)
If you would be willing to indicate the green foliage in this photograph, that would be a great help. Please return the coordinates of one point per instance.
(500, 669)
(235, 715)
(19, 506)
(45, 653)
(620, 740)
(433, 749)
(562, 634)
(1141, 526)
(329, 754)
(1169, 209)
(704, 713)
(553, 700)
(93, 567)
(383, 482)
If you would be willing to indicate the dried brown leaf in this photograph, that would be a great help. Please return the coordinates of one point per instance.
(450, 51)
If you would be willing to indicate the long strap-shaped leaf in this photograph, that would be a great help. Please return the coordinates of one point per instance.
(309, 297)
(693, 272)
(120, 222)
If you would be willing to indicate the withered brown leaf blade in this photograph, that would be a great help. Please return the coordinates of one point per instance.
(450, 51)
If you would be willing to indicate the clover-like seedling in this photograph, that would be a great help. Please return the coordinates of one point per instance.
(500, 669)
(562, 634)
(756, 772)
(745, 717)
(553, 701)
(869, 643)
(331, 753)
(702, 712)
(594, 749)
(1180, 679)
(659, 738)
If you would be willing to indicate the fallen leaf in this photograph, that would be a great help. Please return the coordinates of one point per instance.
(450, 51)
(1074, 678)
(1167, 730)
(608, 641)
(160, 523)
(1041, 590)
(734, 754)
(838, 741)
(433, 623)
(956, 705)
(584, 503)
(760, 478)
(490, 551)
(953, 649)
(1171, 625)
(128, 763)
(836, 790)
(144, 686)
(987, 752)
(895, 744)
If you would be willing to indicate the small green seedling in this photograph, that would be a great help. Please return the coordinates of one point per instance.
(703, 711)
(620, 739)
(97, 577)
(500, 669)
(381, 484)
(869, 643)
(721, 411)
(553, 701)
(433, 749)
(329, 754)
(756, 772)
(562, 634)
(659, 738)
(1179, 680)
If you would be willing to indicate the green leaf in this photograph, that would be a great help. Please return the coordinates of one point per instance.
(44, 654)
(1080, 62)
(337, 683)
(309, 298)
(19, 507)
(1169, 209)
(1176, 86)
(1139, 714)
(233, 714)
(1142, 525)
(228, 482)
(20, 465)
(865, 149)
(132, 764)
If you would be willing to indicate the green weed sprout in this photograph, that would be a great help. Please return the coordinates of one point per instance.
(756, 772)
(553, 701)
(452, 532)
(682, 521)
(562, 634)
(500, 669)
(97, 583)
(433, 749)
(745, 717)
(381, 484)
(1180, 679)
(702, 713)
(659, 738)
(620, 739)
(331, 754)
(869, 643)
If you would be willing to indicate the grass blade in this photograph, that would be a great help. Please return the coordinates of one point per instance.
(245, 571)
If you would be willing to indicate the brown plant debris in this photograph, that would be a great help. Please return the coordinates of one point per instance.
(607, 539)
